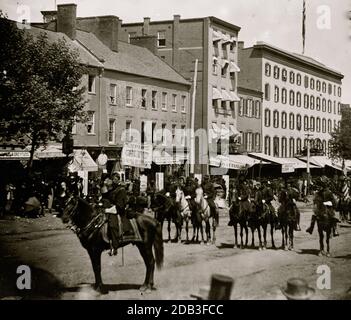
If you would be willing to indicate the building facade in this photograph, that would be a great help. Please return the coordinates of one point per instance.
(132, 95)
(213, 42)
(301, 98)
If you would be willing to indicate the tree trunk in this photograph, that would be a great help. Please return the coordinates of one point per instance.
(31, 156)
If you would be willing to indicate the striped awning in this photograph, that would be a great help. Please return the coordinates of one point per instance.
(234, 96)
(216, 36)
(216, 94)
(234, 130)
(226, 96)
(234, 67)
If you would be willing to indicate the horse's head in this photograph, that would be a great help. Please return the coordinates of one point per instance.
(199, 195)
(69, 210)
(179, 195)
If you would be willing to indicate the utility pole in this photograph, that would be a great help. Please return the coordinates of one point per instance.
(192, 125)
(308, 135)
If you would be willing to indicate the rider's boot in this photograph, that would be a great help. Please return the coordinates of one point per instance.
(311, 227)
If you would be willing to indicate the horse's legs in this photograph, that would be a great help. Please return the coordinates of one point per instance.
(149, 260)
(187, 229)
(321, 240)
(208, 231)
(272, 232)
(235, 234)
(264, 228)
(95, 257)
(259, 237)
(291, 236)
(169, 220)
(247, 234)
(241, 236)
(214, 226)
(252, 237)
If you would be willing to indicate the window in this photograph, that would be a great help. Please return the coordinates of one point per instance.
(174, 126)
(284, 120)
(312, 83)
(329, 126)
(183, 137)
(292, 77)
(276, 72)
(143, 98)
(284, 75)
(174, 102)
(128, 131)
(312, 128)
(318, 85)
(142, 133)
(215, 66)
(291, 121)
(324, 87)
(339, 108)
(306, 81)
(183, 104)
(91, 83)
(298, 99)
(153, 137)
(267, 145)
(275, 147)
(298, 122)
(284, 95)
(249, 108)
(292, 97)
(241, 107)
(298, 79)
(329, 146)
(305, 123)
(111, 131)
(291, 147)
(245, 110)
(225, 51)
(267, 92)
(324, 105)
(318, 125)
(258, 109)
(275, 119)
(276, 94)
(284, 147)
(318, 103)
(224, 104)
(267, 70)
(129, 96)
(330, 89)
(257, 142)
(267, 118)
(324, 125)
(334, 107)
(324, 146)
(113, 93)
(224, 70)
(298, 145)
(154, 100)
(90, 124)
(163, 130)
(329, 106)
(248, 141)
(305, 101)
(164, 100)
(161, 38)
(312, 102)
(339, 91)
(131, 35)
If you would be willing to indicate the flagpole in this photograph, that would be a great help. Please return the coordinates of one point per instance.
(303, 26)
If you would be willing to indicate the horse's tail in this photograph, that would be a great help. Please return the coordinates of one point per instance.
(158, 246)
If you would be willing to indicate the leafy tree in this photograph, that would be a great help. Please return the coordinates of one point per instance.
(40, 87)
(340, 147)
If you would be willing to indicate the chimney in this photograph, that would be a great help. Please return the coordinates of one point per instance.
(176, 42)
(66, 19)
(146, 26)
(148, 42)
(107, 31)
(240, 45)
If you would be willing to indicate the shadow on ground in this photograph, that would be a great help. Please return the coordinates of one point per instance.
(309, 251)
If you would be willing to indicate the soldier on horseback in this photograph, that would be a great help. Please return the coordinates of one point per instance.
(190, 192)
(209, 194)
(268, 196)
(294, 195)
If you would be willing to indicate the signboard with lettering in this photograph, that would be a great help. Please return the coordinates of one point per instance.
(159, 181)
(143, 183)
(288, 168)
(14, 155)
(137, 155)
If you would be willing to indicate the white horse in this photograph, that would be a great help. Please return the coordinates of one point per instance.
(206, 215)
(185, 211)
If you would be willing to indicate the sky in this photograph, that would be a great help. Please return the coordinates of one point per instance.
(278, 22)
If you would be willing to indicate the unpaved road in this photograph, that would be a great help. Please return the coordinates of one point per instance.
(61, 268)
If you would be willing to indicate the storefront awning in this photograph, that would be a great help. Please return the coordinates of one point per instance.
(234, 67)
(225, 132)
(6, 154)
(226, 96)
(234, 131)
(234, 96)
(225, 62)
(82, 161)
(49, 151)
(215, 131)
(234, 161)
(322, 161)
(216, 94)
(216, 36)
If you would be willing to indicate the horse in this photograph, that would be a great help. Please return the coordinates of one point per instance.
(287, 220)
(344, 207)
(165, 209)
(185, 211)
(82, 216)
(254, 217)
(268, 217)
(206, 214)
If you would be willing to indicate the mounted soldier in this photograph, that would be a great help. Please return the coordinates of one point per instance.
(209, 193)
(268, 196)
(190, 192)
(293, 194)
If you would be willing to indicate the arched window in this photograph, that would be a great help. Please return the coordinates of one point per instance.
(312, 83)
(305, 123)
(298, 99)
(306, 82)
(284, 95)
(305, 101)
(298, 145)
(305, 142)
(284, 75)
(318, 125)
(329, 146)
(324, 87)
(339, 91)
(267, 118)
(329, 126)
(292, 97)
(292, 77)
(291, 147)
(298, 79)
(298, 122)
(267, 69)
(276, 94)
(275, 119)
(334, 107)
(267, 91)
(241, 107)
(291, 121)
(318, 103)
(318, 85)
(284, 147)
(324, 105)
(324, 125)
(267, 145)
(258, 109)
(312, 102)
(324, 143)
(329, 106)
(276, 72)
(312, 124)
(276, 147)
(284, 120)
(330, 89)
(339, 108)
(257, 142)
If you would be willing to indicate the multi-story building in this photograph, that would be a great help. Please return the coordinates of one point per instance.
(301, 98)
(250, 120)
(128, 87)
(213, 42)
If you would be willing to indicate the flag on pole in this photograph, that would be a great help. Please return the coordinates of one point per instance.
(303, 26)
(345, 190)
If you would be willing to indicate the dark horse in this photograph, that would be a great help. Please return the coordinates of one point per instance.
(287, 219)
(82, 216)
(268, 218)
(166, 209)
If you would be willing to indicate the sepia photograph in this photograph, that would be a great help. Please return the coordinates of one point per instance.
(175, 150)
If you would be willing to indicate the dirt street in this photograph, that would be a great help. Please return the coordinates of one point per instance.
(61, 267)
